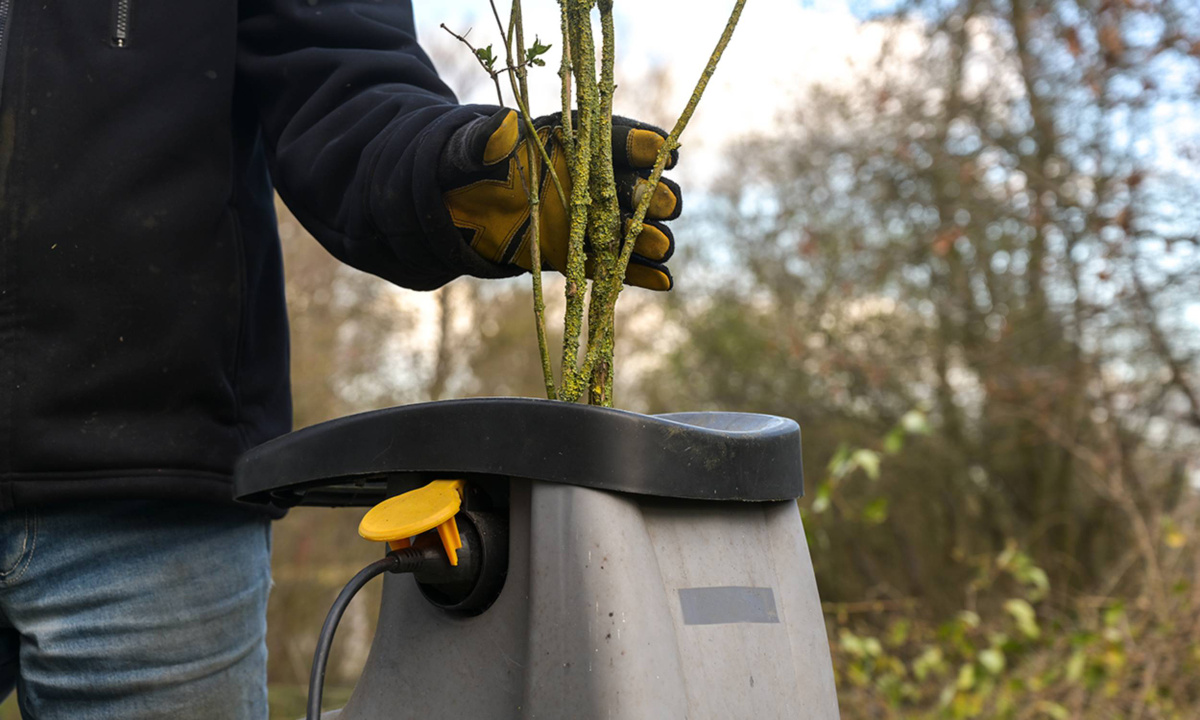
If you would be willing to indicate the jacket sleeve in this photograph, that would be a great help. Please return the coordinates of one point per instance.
(354, 119)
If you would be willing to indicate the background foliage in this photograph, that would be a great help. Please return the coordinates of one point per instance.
(971, 275)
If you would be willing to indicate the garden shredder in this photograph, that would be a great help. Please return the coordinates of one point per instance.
(570, 561)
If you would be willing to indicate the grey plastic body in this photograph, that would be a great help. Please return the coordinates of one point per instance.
(616, 606)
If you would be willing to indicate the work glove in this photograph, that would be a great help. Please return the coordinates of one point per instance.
(483, 191)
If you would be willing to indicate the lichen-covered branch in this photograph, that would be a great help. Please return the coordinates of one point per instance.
(603, 222)
(583, 63)
(564, 76)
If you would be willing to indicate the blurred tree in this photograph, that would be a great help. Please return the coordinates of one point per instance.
(996, 222)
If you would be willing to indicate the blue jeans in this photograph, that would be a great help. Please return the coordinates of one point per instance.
(134, 609)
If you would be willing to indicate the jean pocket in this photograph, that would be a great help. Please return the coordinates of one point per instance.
(17, 545)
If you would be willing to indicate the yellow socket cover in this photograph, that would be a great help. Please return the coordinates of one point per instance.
(400, 518)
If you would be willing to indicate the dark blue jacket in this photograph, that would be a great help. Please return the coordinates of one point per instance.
(143, 334)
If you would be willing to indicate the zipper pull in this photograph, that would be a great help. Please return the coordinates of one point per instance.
(120, 23)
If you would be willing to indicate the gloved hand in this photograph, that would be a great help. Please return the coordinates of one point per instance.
(482, 188)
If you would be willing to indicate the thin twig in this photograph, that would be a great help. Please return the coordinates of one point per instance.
(535, 247)
(521, 94)
(495, 76)
(522, 99)
(672, 141)
(523, 108)
(531, 186)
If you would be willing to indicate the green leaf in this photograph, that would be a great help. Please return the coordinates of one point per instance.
(966, 677)
(1114, 614)
(868, 460)
(872, 647)
(532, 55)
(1040, 581)
(929, 661)
(821, 501)
(893, 442)
(898, 632)
(914, 422)
(1052, 710)
(851, 643)
(946, 696)
(968, 619)
(1007, 556)
(1075, 666)
(486, 57)
(839, 464)
(1025, 617)
(992, 660)
(876, 511)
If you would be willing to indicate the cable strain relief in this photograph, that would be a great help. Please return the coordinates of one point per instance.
(409, 559)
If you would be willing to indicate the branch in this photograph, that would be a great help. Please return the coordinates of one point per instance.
(535, 243)
(564, 75)
(522, 95)
(583, 61)
(673, 138)
(531, 184)
(604, 223)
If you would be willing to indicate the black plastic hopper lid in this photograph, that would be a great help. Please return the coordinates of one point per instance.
(696, 455)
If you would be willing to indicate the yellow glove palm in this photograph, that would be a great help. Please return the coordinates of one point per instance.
(481, 178)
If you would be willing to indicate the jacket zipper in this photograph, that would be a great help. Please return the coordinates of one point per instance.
(5, 13)
(120, 23)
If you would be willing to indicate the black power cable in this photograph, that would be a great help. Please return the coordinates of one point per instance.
(399, 561)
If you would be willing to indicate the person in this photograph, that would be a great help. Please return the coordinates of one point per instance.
(143, 332)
